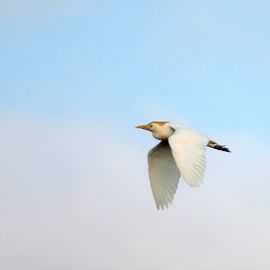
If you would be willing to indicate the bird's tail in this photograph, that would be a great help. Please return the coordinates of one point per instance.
(216, 146)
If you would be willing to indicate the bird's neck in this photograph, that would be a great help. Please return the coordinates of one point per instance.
(164, 133)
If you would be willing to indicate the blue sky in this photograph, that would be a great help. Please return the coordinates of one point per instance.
(201, 63)
(76, 77)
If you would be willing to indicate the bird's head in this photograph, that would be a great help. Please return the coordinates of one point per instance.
(160, 129)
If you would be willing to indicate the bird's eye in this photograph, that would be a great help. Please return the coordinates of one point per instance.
(150, 126)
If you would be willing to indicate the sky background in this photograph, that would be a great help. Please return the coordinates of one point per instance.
(76, 77)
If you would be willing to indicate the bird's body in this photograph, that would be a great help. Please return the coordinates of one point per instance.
(181, 152)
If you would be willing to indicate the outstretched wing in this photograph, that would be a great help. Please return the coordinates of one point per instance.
(188, 149)
(163, 173)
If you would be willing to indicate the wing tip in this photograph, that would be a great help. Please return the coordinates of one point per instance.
(164, 206)
(194, 183)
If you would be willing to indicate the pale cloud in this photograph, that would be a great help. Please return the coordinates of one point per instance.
(75, 197)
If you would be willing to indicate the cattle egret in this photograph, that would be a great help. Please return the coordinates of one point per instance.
(181, 152)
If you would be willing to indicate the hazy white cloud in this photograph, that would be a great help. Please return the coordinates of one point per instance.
(76, 197)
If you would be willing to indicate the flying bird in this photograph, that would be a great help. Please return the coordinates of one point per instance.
(181, 152)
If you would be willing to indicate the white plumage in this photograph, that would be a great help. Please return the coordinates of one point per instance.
(181, 152)
(163, 173)
(188, 149)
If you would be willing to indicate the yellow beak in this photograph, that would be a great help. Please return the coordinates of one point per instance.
(143, 127)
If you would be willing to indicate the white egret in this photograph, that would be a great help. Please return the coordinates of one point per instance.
(181, 152)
